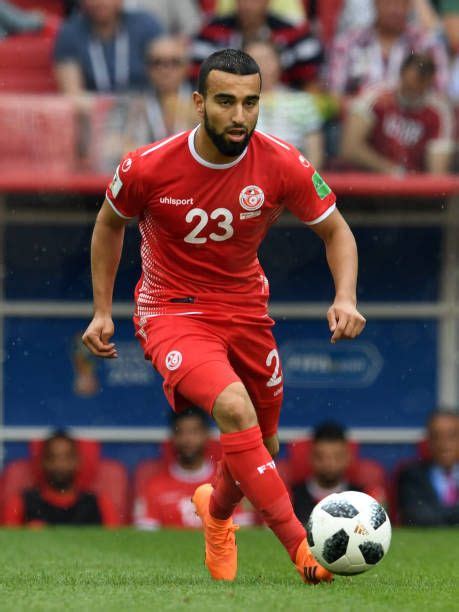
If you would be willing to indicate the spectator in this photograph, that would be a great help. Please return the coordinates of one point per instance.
(368, 56)
(286, 113)
(449, 10)
(407, 129)
(300, 51)
(167, 107)
(102, 49)
(428, 491)
(57, 501)
(330, 459)
(166, 501)
(178, 17)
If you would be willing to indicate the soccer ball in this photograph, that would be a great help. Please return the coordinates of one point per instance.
(348, 533)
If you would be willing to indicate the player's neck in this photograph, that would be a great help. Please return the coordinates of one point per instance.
(206, 149)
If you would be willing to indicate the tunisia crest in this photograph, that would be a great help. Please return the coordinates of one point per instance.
(251, 198)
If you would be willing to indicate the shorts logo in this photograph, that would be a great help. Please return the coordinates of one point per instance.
(173, 360)
(251, 198)
(126, 164)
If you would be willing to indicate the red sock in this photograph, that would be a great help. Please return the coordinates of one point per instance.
(255, 472)
(226, 494)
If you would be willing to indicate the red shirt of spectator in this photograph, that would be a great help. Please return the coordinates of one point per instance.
(403, 133)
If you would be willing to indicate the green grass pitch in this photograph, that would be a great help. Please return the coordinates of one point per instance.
(92, 569)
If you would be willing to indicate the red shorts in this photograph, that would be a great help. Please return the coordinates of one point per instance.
(198, 357)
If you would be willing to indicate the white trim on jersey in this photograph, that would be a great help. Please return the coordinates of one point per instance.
(205, 163)
(323, 216)
(169, 314)
(161, 144)
(115, 209)
(281, 144)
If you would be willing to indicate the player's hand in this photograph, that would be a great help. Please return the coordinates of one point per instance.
(344, 320)
(97, 337)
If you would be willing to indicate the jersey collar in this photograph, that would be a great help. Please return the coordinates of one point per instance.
(205, 163)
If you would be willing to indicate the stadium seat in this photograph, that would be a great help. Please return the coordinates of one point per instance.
(26, 64)
(368, 474)
(38, 135)
(103, 476)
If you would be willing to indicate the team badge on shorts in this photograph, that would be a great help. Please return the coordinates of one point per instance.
(173, 360)
(251, 198)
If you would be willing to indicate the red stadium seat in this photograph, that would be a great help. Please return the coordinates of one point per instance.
(111, 480)
(103, 476)
(38, 134)
(26, 64)
(369, 475)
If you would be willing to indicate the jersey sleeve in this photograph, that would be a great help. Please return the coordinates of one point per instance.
(124, 193)
(146, 512)
(305, 193)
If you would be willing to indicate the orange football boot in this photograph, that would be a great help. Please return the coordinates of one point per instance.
(309, 569)
(221, 549)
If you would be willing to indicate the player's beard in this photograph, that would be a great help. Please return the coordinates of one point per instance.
(226, 147)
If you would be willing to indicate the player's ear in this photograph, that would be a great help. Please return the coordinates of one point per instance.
(198, 101)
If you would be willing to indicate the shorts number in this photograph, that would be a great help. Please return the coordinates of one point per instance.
(225, 224)
(275, 379)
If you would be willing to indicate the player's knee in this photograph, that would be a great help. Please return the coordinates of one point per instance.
(233, 410)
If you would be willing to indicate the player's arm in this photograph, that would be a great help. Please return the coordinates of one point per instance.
(106, 248)
(355, 148)
(344, 319)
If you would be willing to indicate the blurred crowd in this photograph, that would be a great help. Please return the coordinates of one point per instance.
(69, 482)
(357, 85)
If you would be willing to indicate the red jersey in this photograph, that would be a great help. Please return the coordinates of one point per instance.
(166, 501)
(404, 134)
(202, 223)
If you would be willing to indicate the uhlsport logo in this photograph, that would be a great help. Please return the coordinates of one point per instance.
(176, 201)
(173, 360)
(251, 198)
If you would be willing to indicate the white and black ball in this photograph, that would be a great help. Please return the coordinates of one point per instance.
(349, 533)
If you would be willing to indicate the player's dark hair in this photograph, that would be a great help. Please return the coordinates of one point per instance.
(58, 434)
(423, 63)
(233, 61)
(191, 412)
(329, 432)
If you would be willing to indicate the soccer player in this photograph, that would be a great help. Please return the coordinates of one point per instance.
(205, 200)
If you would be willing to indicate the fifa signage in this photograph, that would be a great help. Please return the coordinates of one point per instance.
(319, 364)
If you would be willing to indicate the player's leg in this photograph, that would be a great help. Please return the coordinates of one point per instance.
(226, 493)
(253, 468)
(255, 357)
(192, 358)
